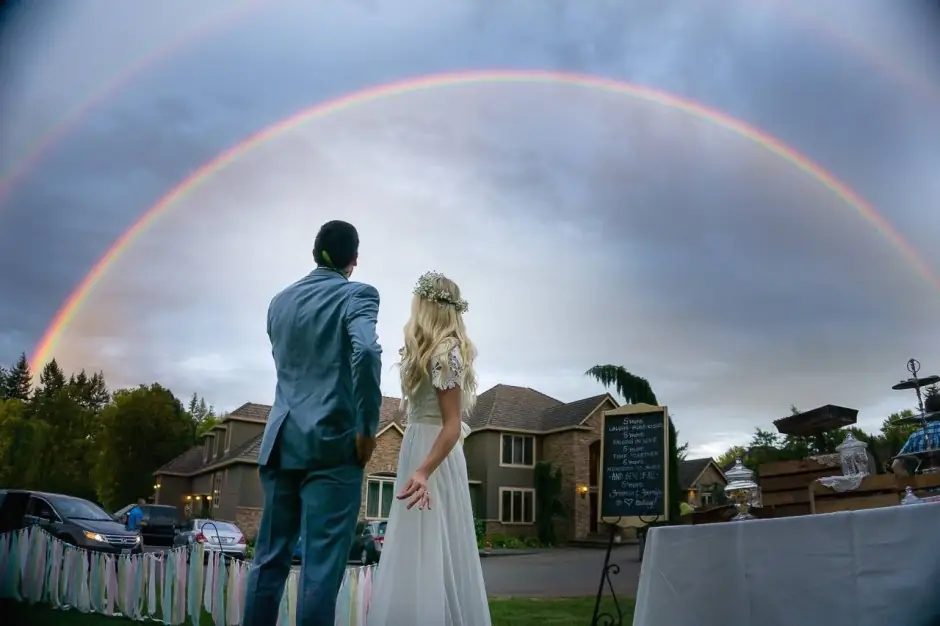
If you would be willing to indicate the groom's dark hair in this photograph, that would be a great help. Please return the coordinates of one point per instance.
(339, 241)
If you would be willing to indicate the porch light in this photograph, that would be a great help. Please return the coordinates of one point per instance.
(157, 486)
(209, 498)
(189, 498)
(582, 490)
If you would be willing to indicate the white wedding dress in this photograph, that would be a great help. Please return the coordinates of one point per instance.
(429, 573)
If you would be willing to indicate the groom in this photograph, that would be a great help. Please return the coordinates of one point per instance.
(320, 433)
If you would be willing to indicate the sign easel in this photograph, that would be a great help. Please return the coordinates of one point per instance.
(634, 482)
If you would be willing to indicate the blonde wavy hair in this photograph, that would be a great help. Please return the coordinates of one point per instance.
(436, 324)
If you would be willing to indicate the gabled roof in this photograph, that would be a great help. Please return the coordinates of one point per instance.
(522, 408)
(570, 414)
(191, 463)
(507, 406)
(691, 469)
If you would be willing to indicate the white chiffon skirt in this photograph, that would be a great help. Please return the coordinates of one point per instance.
(429, 573)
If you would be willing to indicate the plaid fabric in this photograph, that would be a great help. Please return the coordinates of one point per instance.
(919, 439)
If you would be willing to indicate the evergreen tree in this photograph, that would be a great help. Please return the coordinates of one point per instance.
(3, 383)
(51, 379)
(18, 381)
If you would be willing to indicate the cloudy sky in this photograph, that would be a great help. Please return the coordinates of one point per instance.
(584, 226)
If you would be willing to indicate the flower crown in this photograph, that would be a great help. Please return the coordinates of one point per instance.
(426, 290)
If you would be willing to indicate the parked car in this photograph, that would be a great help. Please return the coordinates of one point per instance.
(217, 536)
(157, 526)
(366, 546)
(73, 520)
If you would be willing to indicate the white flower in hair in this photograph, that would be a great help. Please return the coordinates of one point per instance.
(427, 290)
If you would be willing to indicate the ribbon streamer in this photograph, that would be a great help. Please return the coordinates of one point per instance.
(172, 587)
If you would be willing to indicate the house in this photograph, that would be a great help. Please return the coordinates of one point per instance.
(512, 428)
(219, 477)
(700, 478)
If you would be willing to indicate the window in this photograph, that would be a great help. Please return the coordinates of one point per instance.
(518, 450)
(208, 448)
(217, 489)
(594, 462)
(40, 509)
(380, 492)
(516, 506)
(218, 444)
(706, 498)
(228, 439)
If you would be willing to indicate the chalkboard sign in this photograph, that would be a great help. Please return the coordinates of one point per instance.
(634, 464)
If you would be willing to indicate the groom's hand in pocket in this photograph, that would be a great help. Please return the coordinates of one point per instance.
(365, 446)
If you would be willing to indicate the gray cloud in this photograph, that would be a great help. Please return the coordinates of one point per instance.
(585, 226)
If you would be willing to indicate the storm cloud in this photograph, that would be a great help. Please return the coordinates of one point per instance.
(585, 226)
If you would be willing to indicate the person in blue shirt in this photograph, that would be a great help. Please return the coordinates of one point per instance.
(135, 515)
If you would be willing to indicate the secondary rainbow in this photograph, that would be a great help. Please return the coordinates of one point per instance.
(80, 294)
(75, 115)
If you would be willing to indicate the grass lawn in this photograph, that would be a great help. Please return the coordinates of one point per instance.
(506, 612)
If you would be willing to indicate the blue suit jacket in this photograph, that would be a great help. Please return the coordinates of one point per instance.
(329, 364)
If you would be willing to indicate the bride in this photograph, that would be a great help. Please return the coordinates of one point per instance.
(430, 571)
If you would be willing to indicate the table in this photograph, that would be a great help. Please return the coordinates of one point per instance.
(854, 568)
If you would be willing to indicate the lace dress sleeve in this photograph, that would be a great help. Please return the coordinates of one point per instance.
(447, 369)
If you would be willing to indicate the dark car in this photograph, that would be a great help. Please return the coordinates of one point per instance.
(159, 524)
(366, 546)
(73, 520)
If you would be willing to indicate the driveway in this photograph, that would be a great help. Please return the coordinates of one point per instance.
(560, 572)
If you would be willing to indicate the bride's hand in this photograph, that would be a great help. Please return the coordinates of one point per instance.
(417, 489)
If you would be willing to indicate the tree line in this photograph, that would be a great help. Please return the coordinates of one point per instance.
(72, 435)
(767, 446)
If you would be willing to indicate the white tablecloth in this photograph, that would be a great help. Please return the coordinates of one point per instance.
(879, 567)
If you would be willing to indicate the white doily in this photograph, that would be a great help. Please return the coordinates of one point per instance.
(842, 483)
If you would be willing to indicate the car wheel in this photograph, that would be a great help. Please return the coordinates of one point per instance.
(364, 557)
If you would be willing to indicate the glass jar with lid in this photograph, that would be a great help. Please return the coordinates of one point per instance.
(742, 490)
(853, 455)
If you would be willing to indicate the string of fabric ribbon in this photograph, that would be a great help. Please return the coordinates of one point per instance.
(174, 587)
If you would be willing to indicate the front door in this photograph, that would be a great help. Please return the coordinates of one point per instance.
(592, 498)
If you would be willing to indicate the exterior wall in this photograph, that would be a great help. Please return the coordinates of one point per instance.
(241, 432)
(248, 519)
(250, 493)
(384, 461)
(498, 476)
(172, 491)
(202, 484)
(229, 496)
(476, 448)
(561, 451)
(570, 451)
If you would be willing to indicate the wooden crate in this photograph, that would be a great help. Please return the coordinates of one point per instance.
(785, 484)
(874, 492)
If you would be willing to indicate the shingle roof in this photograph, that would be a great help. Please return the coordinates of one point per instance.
(690, 469)
(523, 408)
(191, 461)
(570, 414)
(185, 463)
(250, 412)
(507, 406)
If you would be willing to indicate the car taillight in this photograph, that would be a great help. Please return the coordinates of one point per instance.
(200, 538)
(241, 539)
(380, 540)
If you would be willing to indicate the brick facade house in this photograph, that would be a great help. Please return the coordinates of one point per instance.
(512, 428)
